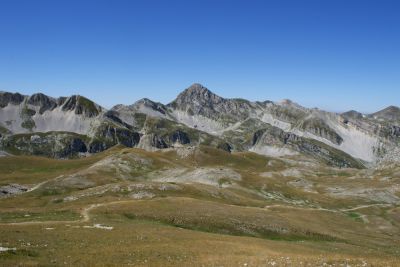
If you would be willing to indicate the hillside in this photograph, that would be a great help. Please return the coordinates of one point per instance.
(196, 206)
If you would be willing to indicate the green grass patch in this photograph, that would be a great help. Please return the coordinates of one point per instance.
(355, 216)
(61, 215)
(19, 253)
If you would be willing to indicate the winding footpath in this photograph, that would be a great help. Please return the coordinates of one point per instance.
(85, 212)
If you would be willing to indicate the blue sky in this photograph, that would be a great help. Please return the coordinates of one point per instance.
(332, 54)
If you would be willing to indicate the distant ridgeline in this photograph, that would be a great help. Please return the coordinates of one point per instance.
(74, 126)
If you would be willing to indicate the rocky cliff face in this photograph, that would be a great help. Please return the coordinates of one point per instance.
(50, 144)
(42, 101)
(81, 106)
(274, 141)
(197, 116)
(10, 98)
(41, 113)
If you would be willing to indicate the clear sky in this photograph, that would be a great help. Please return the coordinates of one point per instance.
(332, 54)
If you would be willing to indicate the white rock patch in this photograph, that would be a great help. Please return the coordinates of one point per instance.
(268, 118)
(142, 195)
(99, 226)
(4, 249)
(199, 122)
(209, 176)
(272, 151)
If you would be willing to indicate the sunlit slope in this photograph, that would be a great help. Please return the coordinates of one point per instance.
(197, 205)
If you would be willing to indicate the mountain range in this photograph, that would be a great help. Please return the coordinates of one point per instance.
(75, 126)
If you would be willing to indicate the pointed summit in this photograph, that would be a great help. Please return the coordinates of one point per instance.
(197, 95)
(198, 100)
(197, 87)
(198, 91)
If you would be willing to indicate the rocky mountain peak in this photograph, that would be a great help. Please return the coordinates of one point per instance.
(196, 95)
(197, 88)
(13, 98)
(389, 113)
(198, 100)
(43, 101)
(82, 106)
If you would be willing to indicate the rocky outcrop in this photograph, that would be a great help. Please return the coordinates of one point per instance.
(391, 132)
(158, 142)
(108, 135)
(10, 98)
(274, 137)
(12, 189)
(286, 111)
(43, 101)
(82, 106)
(52, 144)
(68, 145)
(225, 146)
(97, 146)
(320, 128)
(180, 137)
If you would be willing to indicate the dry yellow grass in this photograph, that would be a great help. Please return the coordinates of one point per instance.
(280, 213)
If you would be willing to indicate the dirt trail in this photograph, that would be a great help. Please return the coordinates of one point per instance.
(330, 210)
(368, 206)
(85, 212)
(37, 186)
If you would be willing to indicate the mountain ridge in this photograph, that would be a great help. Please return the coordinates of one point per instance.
(198, 116)
(283, 101)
